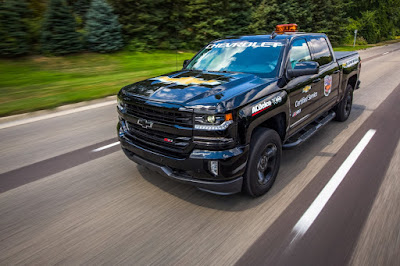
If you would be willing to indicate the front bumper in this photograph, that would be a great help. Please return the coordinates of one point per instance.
(194, 170)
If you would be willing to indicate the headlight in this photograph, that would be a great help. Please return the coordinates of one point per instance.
(120, 104)
(213, 122)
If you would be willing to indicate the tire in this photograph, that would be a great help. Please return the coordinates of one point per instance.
(264, 162)
(343, 109)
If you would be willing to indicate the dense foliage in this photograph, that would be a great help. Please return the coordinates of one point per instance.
(185, 24)
(59, 35)
(14, 30)
(103, 31)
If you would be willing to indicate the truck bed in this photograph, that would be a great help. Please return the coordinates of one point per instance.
(343, 55)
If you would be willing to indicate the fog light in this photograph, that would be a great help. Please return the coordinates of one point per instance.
(211, 119)
(214, 167)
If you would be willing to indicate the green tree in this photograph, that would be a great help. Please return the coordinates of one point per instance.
(59, 35)
(35, 22)
(325, 16)
(376, 20)
(102, 28)
(209, 20)
(81, 7)
(266, 16)
(328, 16)
(14, 30)
(298, 12)
(142, 20)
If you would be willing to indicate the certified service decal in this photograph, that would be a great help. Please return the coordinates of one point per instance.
(327, 85)
(258, 108)
(305, 99)
(186, 81)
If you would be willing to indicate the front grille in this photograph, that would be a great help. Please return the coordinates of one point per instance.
(161, 115)
(176, 142)
(156, 141)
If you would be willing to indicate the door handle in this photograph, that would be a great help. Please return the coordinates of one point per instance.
(316, 80)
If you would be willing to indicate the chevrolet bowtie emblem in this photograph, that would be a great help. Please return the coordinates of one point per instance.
(144, 123)
(187, 81)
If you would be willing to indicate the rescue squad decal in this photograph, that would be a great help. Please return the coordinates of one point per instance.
(258, 108)
(327, 85)
(243, 44)
(305, 99)
(185, 81)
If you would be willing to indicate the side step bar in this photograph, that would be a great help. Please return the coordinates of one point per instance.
(310, 130)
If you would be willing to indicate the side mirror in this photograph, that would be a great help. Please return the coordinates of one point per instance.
(186, 62)
(303, 69)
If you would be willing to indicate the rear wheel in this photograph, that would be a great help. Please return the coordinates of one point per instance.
(343, 109)
(264, 161)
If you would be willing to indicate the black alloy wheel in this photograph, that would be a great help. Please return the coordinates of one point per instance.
(343, 108)
(266, 164)
(263, 163)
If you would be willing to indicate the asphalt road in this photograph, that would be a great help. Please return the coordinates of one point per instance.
(63, 201)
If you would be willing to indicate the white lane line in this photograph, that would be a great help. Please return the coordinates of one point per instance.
(106, 147)
(385, 53)
(316, 207)
(57, 114)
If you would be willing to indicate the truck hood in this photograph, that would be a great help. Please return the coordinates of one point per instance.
(189, 88)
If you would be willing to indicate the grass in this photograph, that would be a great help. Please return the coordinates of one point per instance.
(350, 48)
(35, 83)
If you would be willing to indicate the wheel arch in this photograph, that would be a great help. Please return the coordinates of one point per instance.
(277, 122)
(352, 81)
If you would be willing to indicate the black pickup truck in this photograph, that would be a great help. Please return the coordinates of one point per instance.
(221, 122)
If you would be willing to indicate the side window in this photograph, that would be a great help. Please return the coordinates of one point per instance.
(299, 52)
(322, 54)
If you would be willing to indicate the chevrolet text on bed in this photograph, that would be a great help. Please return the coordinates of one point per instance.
(221, 122)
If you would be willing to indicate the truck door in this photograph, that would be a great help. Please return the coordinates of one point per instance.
(327, 82)
(302, 95)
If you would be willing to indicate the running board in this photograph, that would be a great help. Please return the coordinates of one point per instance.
(310, 130)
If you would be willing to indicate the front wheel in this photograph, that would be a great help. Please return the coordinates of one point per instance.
(343, 109)
(264, 161)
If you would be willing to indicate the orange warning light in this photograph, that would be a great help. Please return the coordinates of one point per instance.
(228, 117)
(286, 28)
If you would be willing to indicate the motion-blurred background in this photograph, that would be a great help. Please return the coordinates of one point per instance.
(62, 51)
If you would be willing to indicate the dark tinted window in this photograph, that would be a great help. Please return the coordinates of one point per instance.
(322, 54)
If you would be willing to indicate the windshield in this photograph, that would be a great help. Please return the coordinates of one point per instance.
(259, 58)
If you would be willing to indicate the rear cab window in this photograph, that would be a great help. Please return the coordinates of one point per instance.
(321, 52)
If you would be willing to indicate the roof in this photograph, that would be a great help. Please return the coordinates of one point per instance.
(277, 37)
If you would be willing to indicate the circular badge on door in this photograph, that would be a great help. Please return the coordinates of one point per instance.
(327, 85)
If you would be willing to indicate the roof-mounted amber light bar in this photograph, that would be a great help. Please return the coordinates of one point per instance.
(286, 28)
